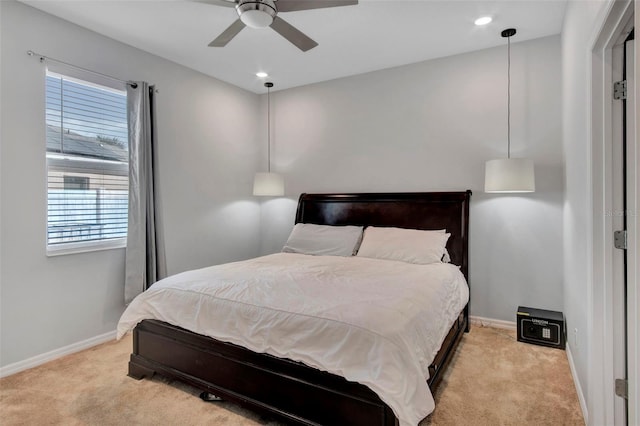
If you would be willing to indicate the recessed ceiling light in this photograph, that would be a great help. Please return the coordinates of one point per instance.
(483, 20)
(262, 74)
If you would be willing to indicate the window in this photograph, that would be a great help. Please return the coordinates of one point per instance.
(76, 182)
(87, 165)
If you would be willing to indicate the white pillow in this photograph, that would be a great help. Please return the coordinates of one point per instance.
(406, 245)
(325, 240)
(446, 258)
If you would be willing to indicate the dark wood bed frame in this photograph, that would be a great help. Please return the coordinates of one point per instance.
(292, 391)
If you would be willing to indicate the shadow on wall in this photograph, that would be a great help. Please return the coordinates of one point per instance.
(277, 217)
(516, 250)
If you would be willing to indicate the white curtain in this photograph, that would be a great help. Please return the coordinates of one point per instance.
(145, 257)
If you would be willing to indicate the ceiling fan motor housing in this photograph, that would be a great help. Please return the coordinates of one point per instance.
(256, 13)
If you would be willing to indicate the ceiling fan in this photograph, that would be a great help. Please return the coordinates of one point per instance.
(264, 13)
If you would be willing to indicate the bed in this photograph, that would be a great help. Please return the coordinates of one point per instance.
(298, 392)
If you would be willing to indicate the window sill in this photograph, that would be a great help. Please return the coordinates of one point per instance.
(85, 247)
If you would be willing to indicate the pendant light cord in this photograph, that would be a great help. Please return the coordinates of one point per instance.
(268, 127)
(508, 33)
(509, 97)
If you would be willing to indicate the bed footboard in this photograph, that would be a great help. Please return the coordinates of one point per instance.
(278, 387)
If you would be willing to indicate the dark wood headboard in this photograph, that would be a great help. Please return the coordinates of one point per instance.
(414, 210)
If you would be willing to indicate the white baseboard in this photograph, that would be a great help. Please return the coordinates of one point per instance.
(37, 360)
(489, 322)
(576, 382)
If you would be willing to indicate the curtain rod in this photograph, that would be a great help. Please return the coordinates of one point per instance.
(47, 58)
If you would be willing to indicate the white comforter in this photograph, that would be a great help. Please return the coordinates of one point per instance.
(376, 322)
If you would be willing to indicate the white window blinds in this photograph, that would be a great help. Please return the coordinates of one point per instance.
(87, 164)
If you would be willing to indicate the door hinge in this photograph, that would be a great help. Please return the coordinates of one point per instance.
(621, 388)
(620, 90)
(620, 240)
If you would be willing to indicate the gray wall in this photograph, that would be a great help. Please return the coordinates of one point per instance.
(432, 126)
(207, 159)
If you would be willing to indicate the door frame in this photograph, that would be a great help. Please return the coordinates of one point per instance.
(601, 303)
(633, 251)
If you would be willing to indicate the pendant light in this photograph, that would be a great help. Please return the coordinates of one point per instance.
(509, 175)
(268, 184)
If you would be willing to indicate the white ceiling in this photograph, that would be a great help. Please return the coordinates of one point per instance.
(373, 35)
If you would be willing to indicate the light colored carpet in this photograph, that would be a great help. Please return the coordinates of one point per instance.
(493, 380)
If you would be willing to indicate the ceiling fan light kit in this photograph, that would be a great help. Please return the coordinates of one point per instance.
(509, 175)
(264, 13)
(256, 14)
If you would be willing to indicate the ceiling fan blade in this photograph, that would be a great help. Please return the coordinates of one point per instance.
(223, 3)
(294, 35)
(293, 5)
(228, 34)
